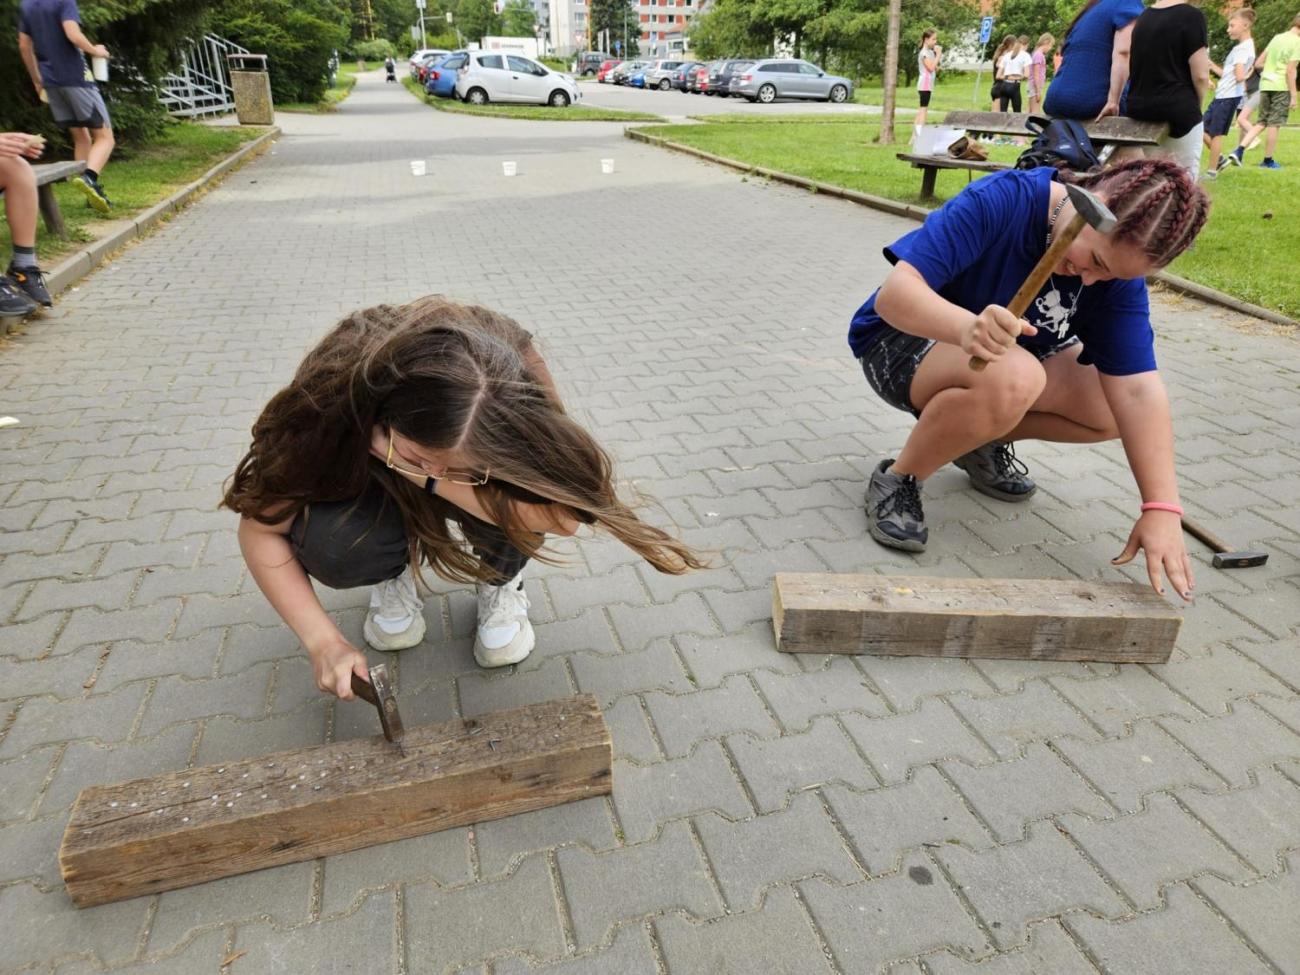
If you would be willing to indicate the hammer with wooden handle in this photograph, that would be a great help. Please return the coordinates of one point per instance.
(1224, 557)
(379, 692)
(1088, 210)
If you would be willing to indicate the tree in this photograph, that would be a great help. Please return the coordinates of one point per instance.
(891, 70)
(298, 37)
(619, 17)
(518, 18)
(477, 19)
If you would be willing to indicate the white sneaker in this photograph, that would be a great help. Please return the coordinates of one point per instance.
(395, 620)
(504, 634)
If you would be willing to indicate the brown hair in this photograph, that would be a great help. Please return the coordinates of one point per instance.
(1158, 205)
(445, 375)
(1006, 44)
(927, 34)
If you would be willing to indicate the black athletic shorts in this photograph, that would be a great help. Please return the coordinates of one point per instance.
(924, 97)
(890, 364)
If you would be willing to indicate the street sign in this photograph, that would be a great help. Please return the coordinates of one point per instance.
(419, 4)
(986, 29)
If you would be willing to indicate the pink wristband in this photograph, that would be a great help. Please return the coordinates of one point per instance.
(1162, 506)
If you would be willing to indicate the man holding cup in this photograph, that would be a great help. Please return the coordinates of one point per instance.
(52, 44)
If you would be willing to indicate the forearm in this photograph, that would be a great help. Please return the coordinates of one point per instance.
(910, 305)
(1140, 406)
(28, 55)
(284, 582)
(72, 30)
(1119, 63)
(541, 518)
(1290, 78)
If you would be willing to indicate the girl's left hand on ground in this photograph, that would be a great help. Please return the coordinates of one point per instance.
(1159, 534)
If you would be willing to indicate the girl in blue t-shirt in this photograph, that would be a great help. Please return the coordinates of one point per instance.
(1079, 368)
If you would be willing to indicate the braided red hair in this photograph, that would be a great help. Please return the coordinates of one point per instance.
(1160, 208)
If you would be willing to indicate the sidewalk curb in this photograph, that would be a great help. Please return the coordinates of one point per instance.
(75, 267)
(1172, 281)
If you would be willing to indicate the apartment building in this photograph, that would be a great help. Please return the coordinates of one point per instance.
(659, 25)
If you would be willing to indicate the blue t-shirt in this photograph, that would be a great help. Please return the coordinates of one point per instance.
(978, 248)
(60, 63)
(1079, 89)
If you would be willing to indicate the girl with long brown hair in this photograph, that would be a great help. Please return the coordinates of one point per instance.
(427, 433)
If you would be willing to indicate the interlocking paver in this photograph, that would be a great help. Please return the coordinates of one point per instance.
(757, 432)
(1263, 911)
(667, 874)
(1012, 885)
(776, 940)
(874, 922)
(362, 941)
(1049, 949)
(647, 795)
(1191, 938)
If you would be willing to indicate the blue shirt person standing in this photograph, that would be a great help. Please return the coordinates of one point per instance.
(52, 46)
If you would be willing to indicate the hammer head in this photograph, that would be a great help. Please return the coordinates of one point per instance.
(379, 692)
(1238, 560)
(1089, 206)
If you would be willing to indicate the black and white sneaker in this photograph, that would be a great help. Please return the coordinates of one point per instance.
(94, 193)
(894, 515)
(14, 302)
(995, 470)
(31, 282)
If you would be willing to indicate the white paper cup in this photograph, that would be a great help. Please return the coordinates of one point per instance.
(417, 167)
(509, 168)
(607, 166)
(99, 68)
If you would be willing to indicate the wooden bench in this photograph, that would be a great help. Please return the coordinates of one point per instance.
(47, 174)
(1107, 135)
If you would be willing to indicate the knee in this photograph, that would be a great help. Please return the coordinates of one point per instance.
(1013, 390)
(17, 174)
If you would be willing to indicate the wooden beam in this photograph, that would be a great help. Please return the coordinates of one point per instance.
(184, 828)
(1026, 619)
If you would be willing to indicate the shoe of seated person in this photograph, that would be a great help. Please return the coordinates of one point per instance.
(995, 470)
(395, 620)
(30, 281)
(504, 635)
(14, 303)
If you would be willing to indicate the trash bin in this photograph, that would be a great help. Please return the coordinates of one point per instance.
(252, 88)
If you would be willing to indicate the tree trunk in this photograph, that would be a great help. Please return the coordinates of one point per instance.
(891, 71)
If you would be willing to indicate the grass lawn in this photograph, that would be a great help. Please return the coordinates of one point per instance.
(952, 92)
(1241, 251)
(134, 182)
(344, 81)
(574, 113)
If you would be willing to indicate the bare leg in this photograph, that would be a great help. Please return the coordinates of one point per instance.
(1072, 407)
(962, 409)
(19, 183)
(101, 147)
(80, 143)
(1215, 144)
(1270, 141)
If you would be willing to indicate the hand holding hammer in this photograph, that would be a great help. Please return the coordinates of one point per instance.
(1088, 211)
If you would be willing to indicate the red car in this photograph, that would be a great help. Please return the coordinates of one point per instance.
(698, 80)
(602, 74)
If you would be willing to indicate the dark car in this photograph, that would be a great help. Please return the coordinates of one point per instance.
(681, 77)
(720, 76)
(589, 62)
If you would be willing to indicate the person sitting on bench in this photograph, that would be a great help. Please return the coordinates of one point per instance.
(1094, 61)
(1080, 368)
(22, 288)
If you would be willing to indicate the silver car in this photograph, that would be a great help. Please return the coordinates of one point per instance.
(772, 78)
(625, 70)
(660, 74)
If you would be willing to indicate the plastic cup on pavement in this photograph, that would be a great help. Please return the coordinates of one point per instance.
(509, 168)
(417, 167)
(99, 68)
(607, 166)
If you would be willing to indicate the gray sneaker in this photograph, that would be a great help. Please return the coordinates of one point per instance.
(894, 515)
(994, 470)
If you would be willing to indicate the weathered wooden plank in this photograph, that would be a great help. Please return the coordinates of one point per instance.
(184, 828)
(56, 172)
(1120, 131)
(1034, 619)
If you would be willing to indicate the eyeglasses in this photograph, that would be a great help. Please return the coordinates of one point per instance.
(449, 475)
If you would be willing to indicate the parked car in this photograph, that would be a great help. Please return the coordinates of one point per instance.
(440, 79)
(660, 74)
(637, 78)
(681, 77)
(699, 80)
(772, 78)
(420, 65)
(589, 62)
(720, 79)
(606, 68)
(496, 77)
(423, 53)
(620, 74)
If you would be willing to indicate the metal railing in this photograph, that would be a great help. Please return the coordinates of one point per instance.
(201, 84)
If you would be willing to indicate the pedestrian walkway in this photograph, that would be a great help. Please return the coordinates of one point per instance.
(770, 814)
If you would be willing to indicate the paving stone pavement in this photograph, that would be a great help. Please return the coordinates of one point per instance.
(770, 813)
